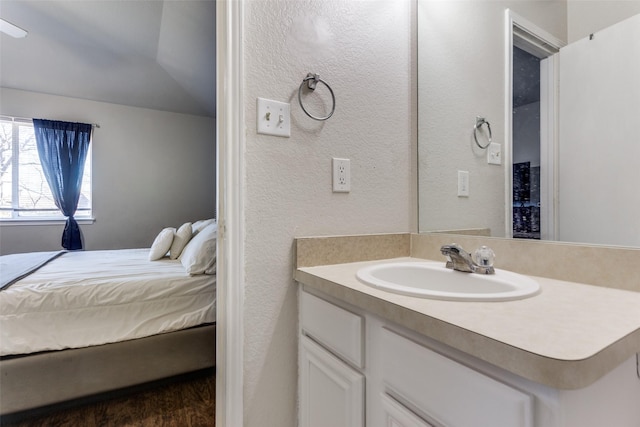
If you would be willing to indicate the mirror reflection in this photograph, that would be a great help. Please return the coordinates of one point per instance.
(557, 81)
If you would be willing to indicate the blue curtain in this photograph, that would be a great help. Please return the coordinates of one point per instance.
(63, 147)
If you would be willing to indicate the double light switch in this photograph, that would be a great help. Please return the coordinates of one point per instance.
(273, 118)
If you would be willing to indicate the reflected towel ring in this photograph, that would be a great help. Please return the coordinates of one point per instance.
(479, 122)
(312, 81)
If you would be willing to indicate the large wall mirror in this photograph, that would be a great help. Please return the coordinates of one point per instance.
(557, 81)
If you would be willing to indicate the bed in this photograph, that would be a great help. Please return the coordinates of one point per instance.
(86, 322)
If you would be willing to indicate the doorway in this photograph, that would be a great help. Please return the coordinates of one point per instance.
(526, 144)
(531, 86)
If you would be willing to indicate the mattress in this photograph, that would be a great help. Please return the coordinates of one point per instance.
(88, 298)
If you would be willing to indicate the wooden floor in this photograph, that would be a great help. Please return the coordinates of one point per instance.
(185, 402)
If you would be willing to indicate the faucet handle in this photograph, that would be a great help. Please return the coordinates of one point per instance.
(484, 256)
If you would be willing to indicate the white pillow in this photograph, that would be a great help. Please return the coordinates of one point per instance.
(198, 226)
(200, 253)
(211, 270)
(161, 244)
(180, 240)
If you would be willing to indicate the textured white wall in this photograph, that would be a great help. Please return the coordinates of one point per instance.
(586, 17)
(461, 76)
(363, 50)
(151, 169)
(599, 149)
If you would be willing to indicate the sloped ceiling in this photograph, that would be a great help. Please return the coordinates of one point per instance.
(145, 53)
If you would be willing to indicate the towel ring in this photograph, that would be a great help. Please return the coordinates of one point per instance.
(479, 122)
(312, 81)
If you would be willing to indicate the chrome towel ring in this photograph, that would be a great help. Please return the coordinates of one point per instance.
(479, 122)
(312, 81)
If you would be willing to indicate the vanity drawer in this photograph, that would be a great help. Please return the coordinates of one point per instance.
(446, 391)
(337, 329)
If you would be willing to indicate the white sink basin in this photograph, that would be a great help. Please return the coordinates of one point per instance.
(433, 280)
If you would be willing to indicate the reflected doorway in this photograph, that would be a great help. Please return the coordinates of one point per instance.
(526, 145)
(531, 130)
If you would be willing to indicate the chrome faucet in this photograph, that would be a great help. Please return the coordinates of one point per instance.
(460, 260)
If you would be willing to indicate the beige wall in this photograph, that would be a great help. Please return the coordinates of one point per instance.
(363, 50)
(151, 169)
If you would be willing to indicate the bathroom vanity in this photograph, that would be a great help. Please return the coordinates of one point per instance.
(563, 358)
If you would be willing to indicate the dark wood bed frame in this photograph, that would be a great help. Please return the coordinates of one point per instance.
(40, 379)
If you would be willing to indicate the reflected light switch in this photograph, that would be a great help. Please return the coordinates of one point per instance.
(494, 154)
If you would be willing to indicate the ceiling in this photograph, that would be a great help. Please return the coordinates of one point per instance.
(157, 54)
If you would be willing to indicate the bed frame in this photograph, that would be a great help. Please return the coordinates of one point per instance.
(31, 381)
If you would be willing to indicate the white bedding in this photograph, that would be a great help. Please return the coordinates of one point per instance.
(90, 298)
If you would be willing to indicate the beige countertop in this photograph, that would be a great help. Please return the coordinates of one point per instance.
(566, 337)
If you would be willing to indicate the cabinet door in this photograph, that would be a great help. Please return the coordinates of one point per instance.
(396, 415)
(331, 392)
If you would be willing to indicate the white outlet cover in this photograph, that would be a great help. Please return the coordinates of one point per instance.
(463, 183)
(341, 173)
(273, 118)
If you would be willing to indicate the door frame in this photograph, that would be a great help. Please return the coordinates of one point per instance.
(526, 35)
(230, 201)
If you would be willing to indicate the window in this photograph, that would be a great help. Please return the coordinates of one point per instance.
(24, 191)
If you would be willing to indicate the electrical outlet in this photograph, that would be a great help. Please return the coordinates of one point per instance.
(463, 183)
(341, 175)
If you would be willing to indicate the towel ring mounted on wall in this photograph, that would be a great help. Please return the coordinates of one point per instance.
(312, 81)
(479, 122)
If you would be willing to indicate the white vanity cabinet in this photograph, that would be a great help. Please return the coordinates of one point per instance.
(402, 374)
(331, 383)
(359, 369)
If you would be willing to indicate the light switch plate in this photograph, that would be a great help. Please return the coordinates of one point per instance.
(273, 118)
(494, 154)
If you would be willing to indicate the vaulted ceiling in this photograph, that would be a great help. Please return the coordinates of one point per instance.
(157, 54)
